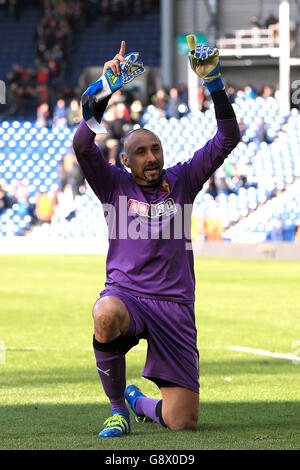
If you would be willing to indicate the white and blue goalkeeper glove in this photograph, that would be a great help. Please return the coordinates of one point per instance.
(204, 60)
(106, 85)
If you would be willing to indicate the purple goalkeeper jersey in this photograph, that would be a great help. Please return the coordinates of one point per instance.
(149, 228)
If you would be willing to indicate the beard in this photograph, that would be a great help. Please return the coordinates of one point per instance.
(152, 175)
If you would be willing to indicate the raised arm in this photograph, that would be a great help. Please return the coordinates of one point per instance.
(204, 61)
(116, 73)
(210, 157)
(101, 175)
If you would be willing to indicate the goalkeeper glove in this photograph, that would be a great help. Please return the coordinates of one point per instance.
(105, 86)
(204, 61)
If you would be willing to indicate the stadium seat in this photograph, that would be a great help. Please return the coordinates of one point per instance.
(31, 155)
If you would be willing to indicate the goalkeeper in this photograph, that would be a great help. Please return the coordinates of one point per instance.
(150, 283)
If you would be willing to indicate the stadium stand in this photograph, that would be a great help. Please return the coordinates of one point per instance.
(47, 38)
(253, 197)
(92, 43)
(276, 220)
(17, 39)
(268, 168)
(32, 156)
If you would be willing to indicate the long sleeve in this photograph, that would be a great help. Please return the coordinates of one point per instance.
(210, 157)
(100, 174)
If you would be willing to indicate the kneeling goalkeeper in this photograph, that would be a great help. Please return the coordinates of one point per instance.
(150, 286)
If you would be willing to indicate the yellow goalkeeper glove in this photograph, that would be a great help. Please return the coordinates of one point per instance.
(204, 61)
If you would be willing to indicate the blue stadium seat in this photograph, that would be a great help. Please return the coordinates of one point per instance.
(31, 155)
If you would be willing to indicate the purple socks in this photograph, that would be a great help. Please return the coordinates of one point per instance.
(147, 406)
(111, 370)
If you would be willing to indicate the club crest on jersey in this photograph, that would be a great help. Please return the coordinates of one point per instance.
(165, 187)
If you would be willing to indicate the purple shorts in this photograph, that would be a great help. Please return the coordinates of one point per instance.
(170, 331)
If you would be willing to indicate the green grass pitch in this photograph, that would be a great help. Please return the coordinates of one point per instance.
(50, 393)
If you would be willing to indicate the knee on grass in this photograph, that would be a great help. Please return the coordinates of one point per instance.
(181, 423)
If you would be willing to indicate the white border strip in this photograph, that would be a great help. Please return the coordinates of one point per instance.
(261, 352)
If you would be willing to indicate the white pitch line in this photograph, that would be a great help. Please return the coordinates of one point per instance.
(33, 348)
(262, 352)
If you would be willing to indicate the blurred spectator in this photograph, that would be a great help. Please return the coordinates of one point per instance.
(66, 204)
(197, 229)
(11, 108)
(204, 99)
(60, 114)
(70, 174)
(74, 115)
(249, 92)
(42, 74)
(160, 101)
(220, 181)
(22, 196)
(183, 93)
(267, 91)
(255, 22)
(229, 178)
(67, 93)
(54, 35)
(231, 93)
(271, 19)
(213, 229)
(42, 115)
(20, 89)
(244, 173)
(15, 75)
(212, 187)
(204, 106)
(177, 107)
(118, 97)
(136, 111)
(262, 132)
(232, 177)
(43, 93)
(45, 206)
(10, 195)
(201, 96)
(119, 123)
(229, 168)
(276, 234)
(6, 201)
(226, 180)
(173, 104)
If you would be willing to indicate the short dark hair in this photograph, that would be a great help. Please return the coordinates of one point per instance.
(134, 131)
